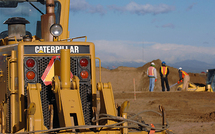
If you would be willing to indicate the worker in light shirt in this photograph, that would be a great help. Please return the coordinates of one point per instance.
(152, 74)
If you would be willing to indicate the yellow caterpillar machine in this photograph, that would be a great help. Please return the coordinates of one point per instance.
(193, 87)
(48, 80)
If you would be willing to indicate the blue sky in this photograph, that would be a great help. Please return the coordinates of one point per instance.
(139, 30)
(145, 30)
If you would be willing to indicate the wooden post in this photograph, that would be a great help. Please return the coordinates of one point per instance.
(134, 89)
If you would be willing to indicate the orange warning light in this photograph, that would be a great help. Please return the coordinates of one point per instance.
(30, 75)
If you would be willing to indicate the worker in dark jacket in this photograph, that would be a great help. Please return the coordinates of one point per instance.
(164, 72)
(185, 76)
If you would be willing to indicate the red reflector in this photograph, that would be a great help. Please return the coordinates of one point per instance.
(30, 63)
(84, 74)
(30, 75)
(84, 62)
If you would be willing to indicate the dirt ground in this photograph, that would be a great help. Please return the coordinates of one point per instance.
(187, 112)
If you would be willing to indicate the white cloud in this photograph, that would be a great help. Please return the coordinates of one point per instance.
(135, 8)
(132, 7)
(147, 51)
(119, 51)
(82, 5)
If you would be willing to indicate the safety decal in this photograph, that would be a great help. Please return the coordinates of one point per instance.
(52, 69)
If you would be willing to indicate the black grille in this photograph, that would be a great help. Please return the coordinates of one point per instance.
(73, 66)
(86, 97)
(47, 96)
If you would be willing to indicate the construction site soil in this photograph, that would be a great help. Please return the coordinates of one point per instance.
(187, 112)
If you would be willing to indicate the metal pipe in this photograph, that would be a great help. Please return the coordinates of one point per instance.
(125, 130)
(13, 90)
(65, 68)
(47, 20)
(51, 110)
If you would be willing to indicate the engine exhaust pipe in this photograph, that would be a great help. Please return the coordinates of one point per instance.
(47, 20)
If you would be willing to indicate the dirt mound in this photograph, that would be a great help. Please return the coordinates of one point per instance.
(122, 68)
(172, 78)
(198, 79)
(127, 78)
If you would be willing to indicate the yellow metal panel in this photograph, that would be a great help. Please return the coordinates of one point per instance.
(34, 97)
(109, 97)
(107, 101)
(71, 103)
(200, 89)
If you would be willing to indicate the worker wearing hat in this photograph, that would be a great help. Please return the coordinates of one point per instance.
(152, 74)
(185, 76)
(164, 72)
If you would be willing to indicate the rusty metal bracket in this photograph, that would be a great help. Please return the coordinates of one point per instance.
(51, 121)
(161, 108)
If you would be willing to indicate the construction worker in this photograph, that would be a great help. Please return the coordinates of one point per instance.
(185, 76)
(152, 74)
(164, 72)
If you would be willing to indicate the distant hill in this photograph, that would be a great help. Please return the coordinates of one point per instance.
(113, 65)
(192, 66)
